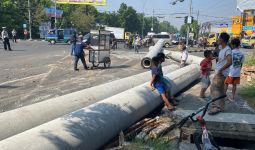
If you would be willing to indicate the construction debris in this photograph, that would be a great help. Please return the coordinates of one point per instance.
(248, 72)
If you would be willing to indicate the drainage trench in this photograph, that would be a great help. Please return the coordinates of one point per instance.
(228, 141)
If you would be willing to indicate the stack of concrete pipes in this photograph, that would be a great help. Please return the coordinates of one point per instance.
(70, 122)
(153, 51)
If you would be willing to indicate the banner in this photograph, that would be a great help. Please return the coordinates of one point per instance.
(50, 12)
(245, 28)
(86, 2)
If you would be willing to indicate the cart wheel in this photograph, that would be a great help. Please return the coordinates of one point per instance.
(107, 62)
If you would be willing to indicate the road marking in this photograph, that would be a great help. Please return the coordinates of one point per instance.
(8, 82)
(65, 57)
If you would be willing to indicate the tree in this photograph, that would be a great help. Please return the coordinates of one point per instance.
(194, 29)
(165, 26)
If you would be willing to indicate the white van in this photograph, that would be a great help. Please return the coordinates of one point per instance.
(166, 37)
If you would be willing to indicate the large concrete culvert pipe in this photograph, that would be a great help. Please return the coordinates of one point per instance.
(91, 127)
(153, 51)
(191, 58)
(27, 117)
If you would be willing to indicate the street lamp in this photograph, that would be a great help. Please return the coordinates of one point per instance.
(190, 13)
(144, 2)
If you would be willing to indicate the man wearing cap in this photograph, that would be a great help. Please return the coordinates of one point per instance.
(5, 37)
(79, 53)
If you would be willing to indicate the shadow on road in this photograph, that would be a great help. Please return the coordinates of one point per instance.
(8, 87)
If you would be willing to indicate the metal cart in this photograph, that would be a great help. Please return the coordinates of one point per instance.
(100, 48)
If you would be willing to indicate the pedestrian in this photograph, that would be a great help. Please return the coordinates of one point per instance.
(25, 34)
(79, 54)
(168, 85)
(221, 72)
(73, 40)
(5, 37)
(206, 67)
(114, 43)
(157, 83)
(80, 36)
(205, 42)
(185, 54)
(137, 42)
(235, 69)
(14, 36)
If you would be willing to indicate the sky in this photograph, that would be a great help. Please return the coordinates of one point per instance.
(209, 10)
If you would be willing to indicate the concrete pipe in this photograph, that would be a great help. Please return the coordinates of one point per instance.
(153, 51)
(24, 118)
(92, 127)
(191, 58)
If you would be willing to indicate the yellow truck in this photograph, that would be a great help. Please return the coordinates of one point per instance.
(212, 39)
(248, 41)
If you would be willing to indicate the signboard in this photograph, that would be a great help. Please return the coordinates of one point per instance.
(50, 12)
(86, 2)
(245, 28)
(24, 26)
(245, 5)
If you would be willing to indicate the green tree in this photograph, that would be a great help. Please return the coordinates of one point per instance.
(194, 29)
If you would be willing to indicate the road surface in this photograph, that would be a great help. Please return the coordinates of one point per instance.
(35, 71)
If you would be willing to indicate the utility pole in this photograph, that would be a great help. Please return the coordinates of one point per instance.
(197, 24)
(143, 17)
(152, 21)
(29, 20)
(188, 30)
(55, 14)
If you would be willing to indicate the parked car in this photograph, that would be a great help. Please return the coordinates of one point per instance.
(166, 37)
(59, 35)
(248, 41)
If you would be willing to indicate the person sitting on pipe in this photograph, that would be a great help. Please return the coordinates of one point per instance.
(162, 58)
(158, 83)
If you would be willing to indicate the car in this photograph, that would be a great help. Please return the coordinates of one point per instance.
(166, 37)
(248, 41)
(59, 35)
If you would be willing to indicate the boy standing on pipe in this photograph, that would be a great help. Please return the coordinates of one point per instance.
(158, 83)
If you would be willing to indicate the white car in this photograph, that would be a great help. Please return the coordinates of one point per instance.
(166, 37)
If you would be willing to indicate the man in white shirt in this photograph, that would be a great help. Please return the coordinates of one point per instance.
(221, 72)
(5, 38)
(185, 54)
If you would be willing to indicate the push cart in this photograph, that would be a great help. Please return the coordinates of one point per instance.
(100, 48)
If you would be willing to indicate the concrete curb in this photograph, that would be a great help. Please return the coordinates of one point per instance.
(24, 118)
(228, 125)
(91, 127)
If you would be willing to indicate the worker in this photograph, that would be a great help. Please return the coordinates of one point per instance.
(5, 37)
(79, 54)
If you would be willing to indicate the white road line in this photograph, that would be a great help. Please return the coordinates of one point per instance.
(30, 77)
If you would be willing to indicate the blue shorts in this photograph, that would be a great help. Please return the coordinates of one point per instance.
(161, 87)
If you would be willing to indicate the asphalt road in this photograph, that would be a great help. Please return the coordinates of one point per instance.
(35, 71)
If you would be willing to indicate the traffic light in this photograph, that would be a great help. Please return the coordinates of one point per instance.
(188, 19)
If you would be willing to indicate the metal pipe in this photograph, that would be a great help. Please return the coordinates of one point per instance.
(92, 127)
(24, 118)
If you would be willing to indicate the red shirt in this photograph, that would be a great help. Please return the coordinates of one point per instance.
(206, 66)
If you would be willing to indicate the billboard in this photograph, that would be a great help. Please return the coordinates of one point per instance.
(245, 5)
(85, 2)
(50, 12)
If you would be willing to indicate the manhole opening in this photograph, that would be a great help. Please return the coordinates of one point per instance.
(230, 142)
